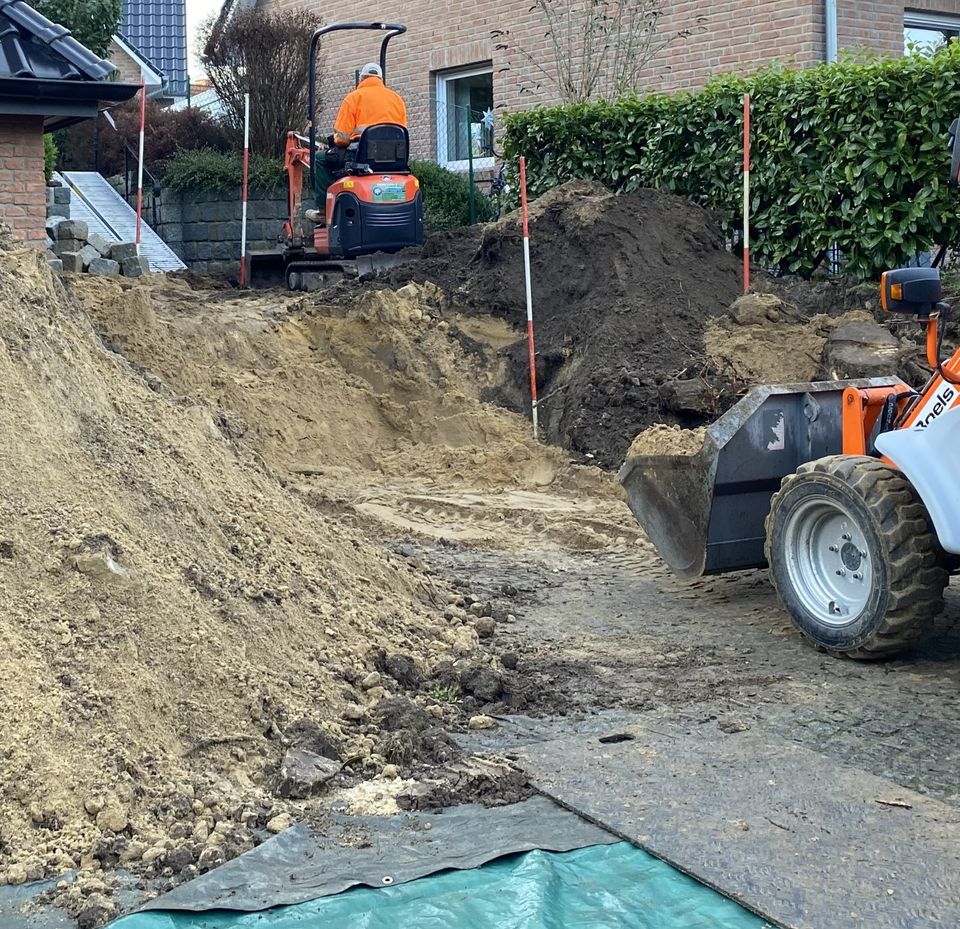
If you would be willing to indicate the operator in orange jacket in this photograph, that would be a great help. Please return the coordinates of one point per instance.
(372, 102)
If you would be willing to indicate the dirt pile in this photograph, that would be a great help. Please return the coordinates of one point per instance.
(764, 340)
(172, 619)
(667, 440)
(623, 286)
(378, 382)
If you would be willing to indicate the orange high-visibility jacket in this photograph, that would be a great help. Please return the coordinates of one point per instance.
(371, 103)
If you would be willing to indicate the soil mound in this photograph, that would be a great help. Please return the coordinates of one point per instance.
(379, 381)
(764, 340)
(623, 286)
(667, 440)
(168, 611)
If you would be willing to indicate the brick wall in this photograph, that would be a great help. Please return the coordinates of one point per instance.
(728, 35)
(23, 204)
(128, 69)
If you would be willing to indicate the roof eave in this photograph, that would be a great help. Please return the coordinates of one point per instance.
(61, 103)
(40, 90)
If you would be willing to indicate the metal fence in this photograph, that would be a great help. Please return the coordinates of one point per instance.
(462, 138)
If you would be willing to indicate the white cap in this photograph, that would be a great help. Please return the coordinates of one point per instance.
(371, 70)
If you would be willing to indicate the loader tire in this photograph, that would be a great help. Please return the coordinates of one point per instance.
(853, 557)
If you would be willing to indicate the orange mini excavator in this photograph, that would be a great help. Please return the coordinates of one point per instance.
(371, 211)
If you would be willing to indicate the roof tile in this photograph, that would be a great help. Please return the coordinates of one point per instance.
(33, 47)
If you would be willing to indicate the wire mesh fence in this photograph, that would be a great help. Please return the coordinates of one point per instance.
(462, 139)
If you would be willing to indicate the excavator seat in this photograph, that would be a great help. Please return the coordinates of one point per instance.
(382, 149)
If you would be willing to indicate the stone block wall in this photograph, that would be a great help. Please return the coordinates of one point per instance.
(203, 227)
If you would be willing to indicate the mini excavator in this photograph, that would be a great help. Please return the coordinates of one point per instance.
(373, 210)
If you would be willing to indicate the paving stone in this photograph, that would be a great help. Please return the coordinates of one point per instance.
(71, 261)
(101, 244)
(103, 266)
(73, 229)
(123, 250)
(135, 267)
(62, 245)
(87, 254)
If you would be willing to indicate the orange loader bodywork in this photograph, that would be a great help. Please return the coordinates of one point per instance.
(862, 406)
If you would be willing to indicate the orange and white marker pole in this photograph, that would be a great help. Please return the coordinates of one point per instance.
(246, 175)
(526, 272)
(746, 193)
(143, 124)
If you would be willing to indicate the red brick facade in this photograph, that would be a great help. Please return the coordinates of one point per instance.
(727, 35)
(22, 196)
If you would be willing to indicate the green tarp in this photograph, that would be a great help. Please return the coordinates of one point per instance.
(600, 887)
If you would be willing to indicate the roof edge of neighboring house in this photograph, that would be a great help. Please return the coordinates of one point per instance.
(57, 38)
(148, 70)
(227, 9)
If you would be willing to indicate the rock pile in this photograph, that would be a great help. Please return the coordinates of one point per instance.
(72, 247)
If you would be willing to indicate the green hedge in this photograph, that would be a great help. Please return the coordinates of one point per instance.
(853, 155)
(207, 170)
(446, 197)
(50, 155)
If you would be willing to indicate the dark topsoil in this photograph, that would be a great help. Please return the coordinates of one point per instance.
(622, 289)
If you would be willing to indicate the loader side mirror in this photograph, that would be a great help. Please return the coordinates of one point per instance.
(955, 150)
(915, 291)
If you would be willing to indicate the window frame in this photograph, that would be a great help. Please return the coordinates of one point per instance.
(932, 22)
(440, 89)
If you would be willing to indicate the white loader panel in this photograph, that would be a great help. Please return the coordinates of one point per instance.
(928, 457)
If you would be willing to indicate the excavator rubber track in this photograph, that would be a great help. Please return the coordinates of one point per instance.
(314, 274)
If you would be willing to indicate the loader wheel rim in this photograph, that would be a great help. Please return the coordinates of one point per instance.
(828, 560)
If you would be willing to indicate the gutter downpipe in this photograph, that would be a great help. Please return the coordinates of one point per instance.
(830, 18)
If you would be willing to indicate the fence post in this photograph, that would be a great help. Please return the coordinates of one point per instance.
(473, 195)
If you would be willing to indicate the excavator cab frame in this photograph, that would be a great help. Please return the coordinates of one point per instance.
(391, 30)
(371, 211)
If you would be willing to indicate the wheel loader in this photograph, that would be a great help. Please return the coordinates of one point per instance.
(845, 491)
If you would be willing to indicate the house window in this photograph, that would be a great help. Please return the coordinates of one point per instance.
(924, 33)
(465, 118)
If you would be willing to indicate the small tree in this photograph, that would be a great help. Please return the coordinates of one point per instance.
(598, 47)
(262, 54)
(93, 23)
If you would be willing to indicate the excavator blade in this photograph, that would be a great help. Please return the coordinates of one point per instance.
(369, 266)
(705, 513)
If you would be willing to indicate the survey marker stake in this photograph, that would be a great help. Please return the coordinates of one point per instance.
(246, 175)
(526, 272)
(746, 193)
(143, 124)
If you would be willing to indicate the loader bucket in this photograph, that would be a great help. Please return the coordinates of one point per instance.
(705, 512)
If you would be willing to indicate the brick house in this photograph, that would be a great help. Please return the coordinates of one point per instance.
(451, 70)
(48, 80)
